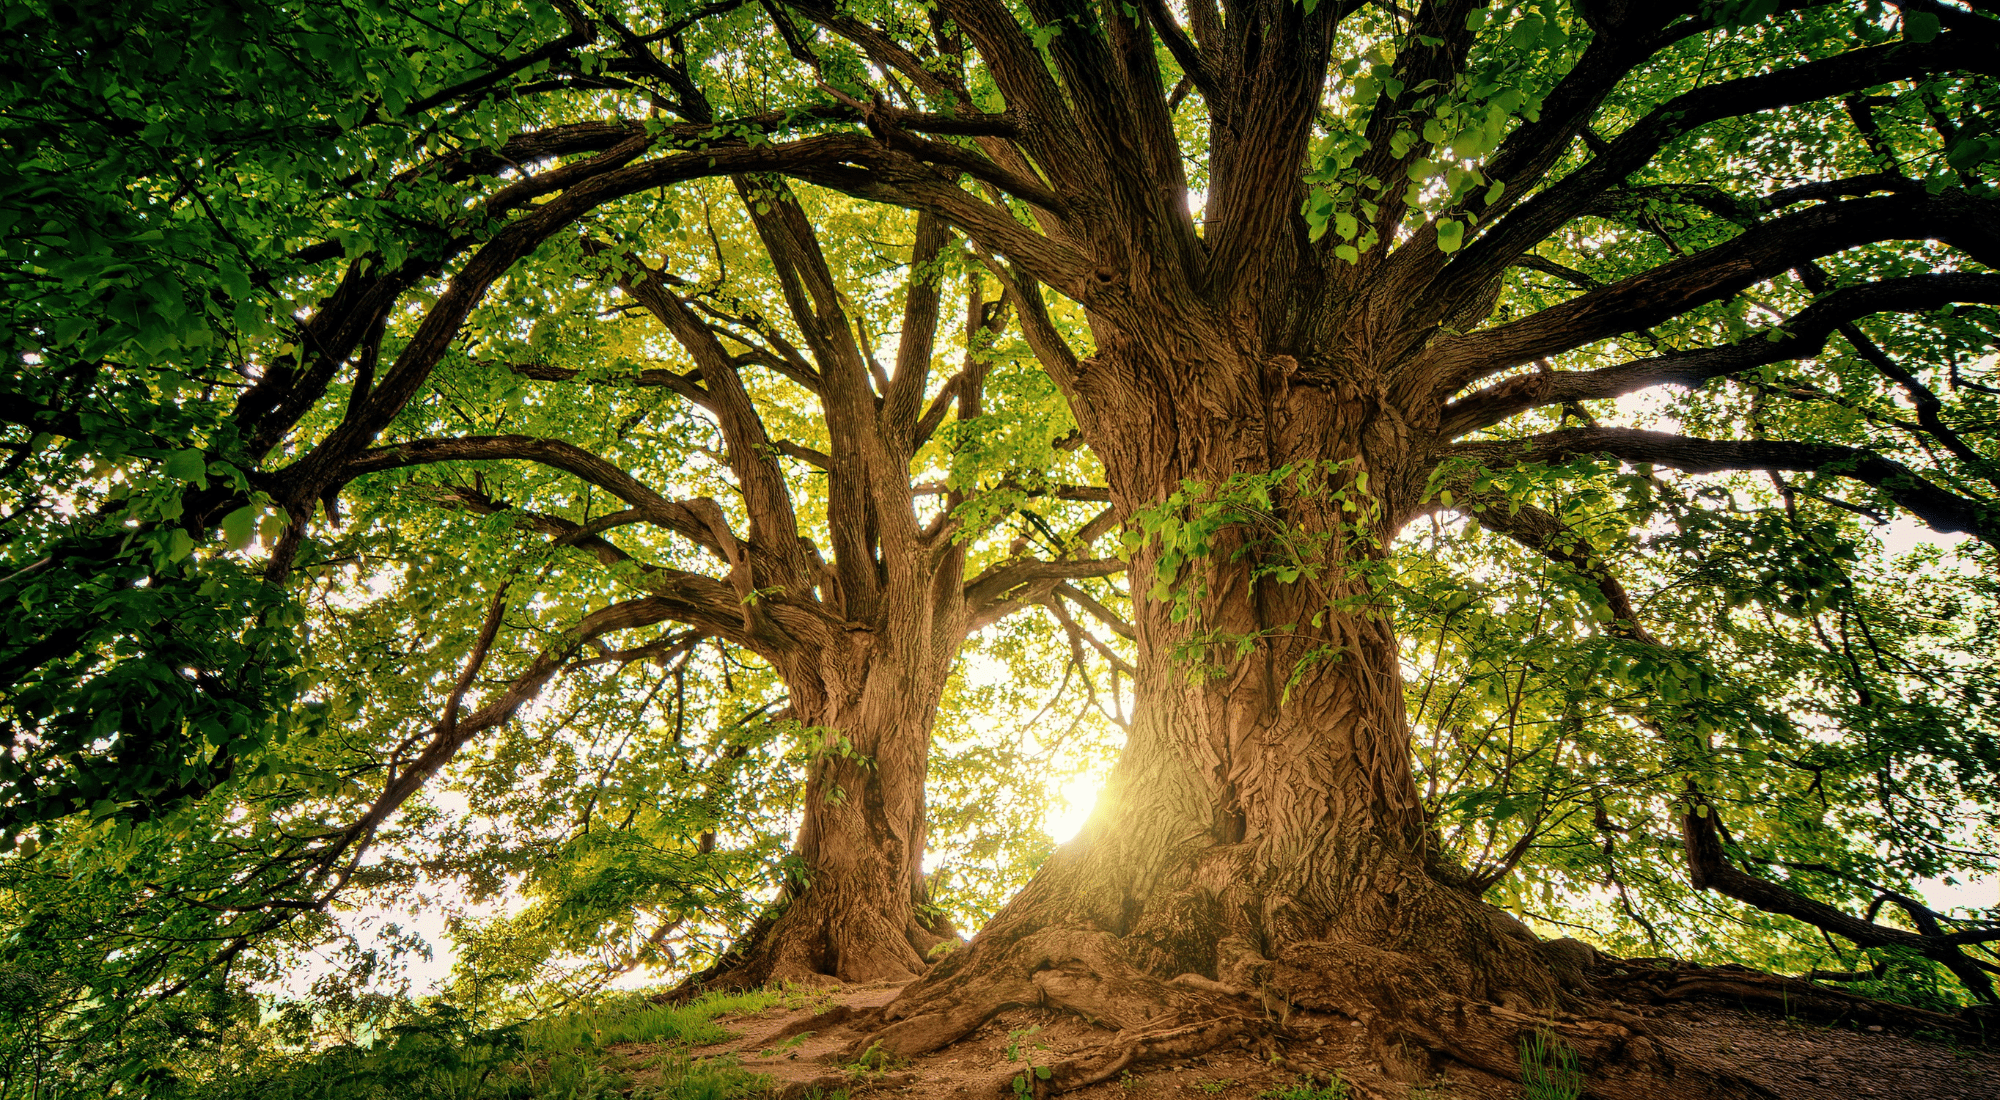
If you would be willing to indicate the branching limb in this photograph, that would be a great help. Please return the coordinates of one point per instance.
(1185, 52)
(686, 385)
(585, 186)
(1759, 253)
(1010, 586)
(1549, 210)
(715, 606)
(1942, 510)
(1097, 610)
(1710, 869)
(481, 646)
(749, 451)
(1802, 336)
(1541, 532)
(690, 519)
(452, 733)
(1080, 637)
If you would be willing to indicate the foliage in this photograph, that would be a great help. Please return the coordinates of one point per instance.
(1555, 741)
(259, 681)
(151, 229)
(1334, 1089)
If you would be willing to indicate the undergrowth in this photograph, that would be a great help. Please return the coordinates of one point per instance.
(437, 1055)
(1550, 1068)
(1334, 1089)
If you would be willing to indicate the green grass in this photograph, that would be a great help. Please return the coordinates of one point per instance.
(1550, 1068)
(1334, 1089)
(440, 1056)
(633, 1019)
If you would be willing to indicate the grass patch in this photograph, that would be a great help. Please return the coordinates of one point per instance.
(1550, 1067)
(634, 1019)
(1334, 1089)
(437, 1055)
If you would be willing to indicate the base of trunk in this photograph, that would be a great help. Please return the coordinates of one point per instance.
(816, 940)
(1435, 976)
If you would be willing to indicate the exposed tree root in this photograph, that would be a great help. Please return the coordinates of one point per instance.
(1660, 981)
(1417, 1025)
(1071, 970)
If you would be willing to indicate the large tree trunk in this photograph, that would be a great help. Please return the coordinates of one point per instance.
(1261, 845)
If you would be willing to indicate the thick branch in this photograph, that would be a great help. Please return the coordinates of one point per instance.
(1710, 869)
(452, 733)
(713, 606)
(1803, 336)
(1757, 254)
(1538, 217)
(689, 519)
(686, 385)
(1541, 532)
(1942, 510)
(1008, 587)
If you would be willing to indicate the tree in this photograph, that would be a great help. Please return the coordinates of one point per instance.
(1313, 350)
(1331, 337)
(1311, 244)
(864, 635)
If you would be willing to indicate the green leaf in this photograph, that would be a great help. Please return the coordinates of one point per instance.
(188, 465)
(239, 527)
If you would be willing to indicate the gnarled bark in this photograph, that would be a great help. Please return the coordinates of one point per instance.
(855, 909)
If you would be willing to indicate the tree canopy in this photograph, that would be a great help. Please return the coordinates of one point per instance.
(600, 452)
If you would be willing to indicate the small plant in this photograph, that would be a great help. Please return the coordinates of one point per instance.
(877, 1059)
(1550, 1067)
(1214, 1087)
(1024, 1086)
(1014, 1041)
(1334, 1089)
(792, 1043)
(1024, 1083)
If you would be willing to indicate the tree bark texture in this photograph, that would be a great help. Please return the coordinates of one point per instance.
(852, 911)
(1261, 844)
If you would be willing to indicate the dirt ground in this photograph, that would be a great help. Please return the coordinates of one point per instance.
(798, 1049)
